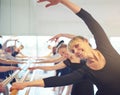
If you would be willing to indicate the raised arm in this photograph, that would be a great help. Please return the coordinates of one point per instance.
(56, 37)
(5, 43)
(101, 39)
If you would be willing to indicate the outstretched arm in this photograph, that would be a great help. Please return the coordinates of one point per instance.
(7, 68)
(51, 60)
(5, 61)
(58, 66)
(53, 81)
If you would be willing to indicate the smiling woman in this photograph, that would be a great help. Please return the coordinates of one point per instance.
(37, 46)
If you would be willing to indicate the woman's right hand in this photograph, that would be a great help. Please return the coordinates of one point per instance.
(17, 86)
(51, 2)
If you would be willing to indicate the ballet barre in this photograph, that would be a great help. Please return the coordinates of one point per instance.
(32, 78)
(11, 77)
(14, 92)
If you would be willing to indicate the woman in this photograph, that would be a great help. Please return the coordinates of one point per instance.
(102, 66)
(60, 67)
(72, 63)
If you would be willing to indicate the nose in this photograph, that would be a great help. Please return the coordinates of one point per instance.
(77, 51)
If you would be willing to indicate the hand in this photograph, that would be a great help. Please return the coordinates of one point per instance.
(17, 86)
(55, 38)
(51, 2)
(32, 68)
(2, 88)
(14, 68)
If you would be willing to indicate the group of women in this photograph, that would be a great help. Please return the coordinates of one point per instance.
(100, 66)
(8, 62)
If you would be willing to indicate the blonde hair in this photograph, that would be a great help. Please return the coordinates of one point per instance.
(21, 46)
(74, 40)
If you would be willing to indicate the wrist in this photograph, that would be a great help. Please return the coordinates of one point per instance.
(26, 84)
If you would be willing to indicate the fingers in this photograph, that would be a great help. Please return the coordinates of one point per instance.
(16, 68)
(48, 5)
(41, 1)
(53, 39)
(12, 88)
(17, 86)
(51, 2)
(2, 89)
(31, 69)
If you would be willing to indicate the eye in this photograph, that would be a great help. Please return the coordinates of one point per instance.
(72, 51)
(76, 46)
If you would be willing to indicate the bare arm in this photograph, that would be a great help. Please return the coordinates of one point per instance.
(58, 66)
(5, 43)
(7, 68)
(51, 60)
(8, 61)
(56, 37)
(73, 7)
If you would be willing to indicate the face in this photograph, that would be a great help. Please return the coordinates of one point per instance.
(8, 49)
(49, 47)
(20, 47)
(63, 52)
(78, 47)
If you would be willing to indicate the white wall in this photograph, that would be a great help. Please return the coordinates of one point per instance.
(26, 17)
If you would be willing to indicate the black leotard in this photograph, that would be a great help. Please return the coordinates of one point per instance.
(83, 87)
(107, 79)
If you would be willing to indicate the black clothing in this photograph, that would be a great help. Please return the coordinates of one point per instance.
(3, 75)
(84, 87)
(15, 53)
(107, 79)
(0, 46)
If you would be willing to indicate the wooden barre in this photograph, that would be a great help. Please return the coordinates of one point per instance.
(7, 80)
(14, 92)
(28, 89)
